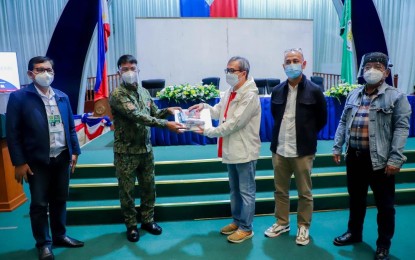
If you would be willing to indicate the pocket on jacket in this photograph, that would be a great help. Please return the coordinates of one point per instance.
(237, 149)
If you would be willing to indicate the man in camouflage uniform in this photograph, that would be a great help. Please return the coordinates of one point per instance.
(134, 113)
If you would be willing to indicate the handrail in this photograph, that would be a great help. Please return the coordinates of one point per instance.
(113, 82)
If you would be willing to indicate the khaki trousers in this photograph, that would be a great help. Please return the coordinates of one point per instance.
(284, 168)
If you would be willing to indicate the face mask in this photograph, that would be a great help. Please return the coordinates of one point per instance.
(373, 76)
(293, 71)
(44, 79)
(130, 77)
(232, 79)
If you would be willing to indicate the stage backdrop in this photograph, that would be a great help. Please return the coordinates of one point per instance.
(185, 50)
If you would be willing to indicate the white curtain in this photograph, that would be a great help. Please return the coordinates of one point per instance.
(122, 16)
(398, 22)
(327, 42)
(26, 27)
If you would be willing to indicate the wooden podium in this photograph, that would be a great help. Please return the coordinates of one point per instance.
(11, 192)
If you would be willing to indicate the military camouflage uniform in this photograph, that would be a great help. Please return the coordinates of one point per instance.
(134, 113)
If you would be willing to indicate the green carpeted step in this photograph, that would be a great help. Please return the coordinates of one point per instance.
(193, 184)
(219, 197)
(107, 170)
(203, 175)
(185, 166)
(193, 207)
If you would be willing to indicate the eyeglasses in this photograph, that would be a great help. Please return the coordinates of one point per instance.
(377, 66)
(125, 69)
(231, 71)
(42, 70)
(294, 50)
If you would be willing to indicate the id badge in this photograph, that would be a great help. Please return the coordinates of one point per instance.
(55, 123)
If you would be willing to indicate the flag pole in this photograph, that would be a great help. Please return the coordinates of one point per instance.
(101, 104)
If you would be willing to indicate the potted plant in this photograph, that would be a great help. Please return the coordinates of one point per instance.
(186, 93)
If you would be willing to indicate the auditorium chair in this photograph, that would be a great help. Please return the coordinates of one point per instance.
(318, 81)
(271, 83)
(211, 80)
(153, 85)
(261, 85)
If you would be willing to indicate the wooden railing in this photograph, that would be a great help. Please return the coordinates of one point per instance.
(113, 82)
(330, 80)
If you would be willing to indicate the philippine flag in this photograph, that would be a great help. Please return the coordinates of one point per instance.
(209, 8)
(103, 26)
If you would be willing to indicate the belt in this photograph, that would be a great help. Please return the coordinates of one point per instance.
(358, 153)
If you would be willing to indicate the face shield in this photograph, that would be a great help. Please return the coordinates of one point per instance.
(376, 60)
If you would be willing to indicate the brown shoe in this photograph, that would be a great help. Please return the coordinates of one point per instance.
(240, 236)
(229, 229)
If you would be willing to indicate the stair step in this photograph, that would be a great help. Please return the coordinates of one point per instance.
(208, 198)
(105, 189)
(199, 188)
(107, 170)
(207, 176)
(193, 207)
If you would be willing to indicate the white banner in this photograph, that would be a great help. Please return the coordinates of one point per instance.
(9, 75)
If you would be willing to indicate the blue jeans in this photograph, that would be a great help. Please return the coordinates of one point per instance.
(242, 190)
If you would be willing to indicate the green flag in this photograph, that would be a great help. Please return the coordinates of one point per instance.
(348, 67)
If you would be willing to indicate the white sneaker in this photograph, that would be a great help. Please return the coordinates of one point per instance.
(276, 230)
(303, 236)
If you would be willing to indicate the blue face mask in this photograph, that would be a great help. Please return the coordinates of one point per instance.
(293, 71)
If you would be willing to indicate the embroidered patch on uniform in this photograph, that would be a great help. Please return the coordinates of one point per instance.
(130, 106)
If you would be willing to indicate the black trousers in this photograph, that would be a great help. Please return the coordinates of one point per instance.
(360, 176)
(49, 187)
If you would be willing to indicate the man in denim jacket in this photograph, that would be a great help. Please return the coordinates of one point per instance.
(374, 126)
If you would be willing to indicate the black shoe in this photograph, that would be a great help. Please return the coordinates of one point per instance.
(346, 239)
(152, 228)
(45, 253)
(382, 254)
(67, 242)
(132, 234)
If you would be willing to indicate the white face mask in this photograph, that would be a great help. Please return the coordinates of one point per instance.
(130, 77)
(44, 79)
(373, 76)
(232, 79)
